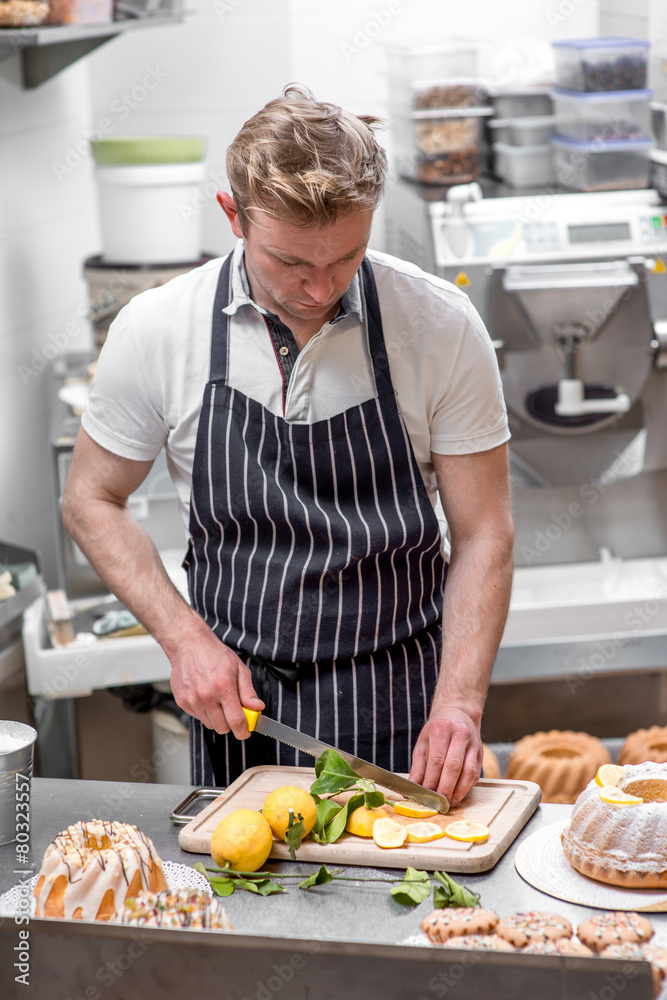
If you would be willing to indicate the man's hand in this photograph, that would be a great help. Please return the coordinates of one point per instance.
(210, 682)
(448, 754)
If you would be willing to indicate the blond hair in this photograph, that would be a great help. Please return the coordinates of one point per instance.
(306, 161)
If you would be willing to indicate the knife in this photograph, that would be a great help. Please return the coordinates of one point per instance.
(259, 723)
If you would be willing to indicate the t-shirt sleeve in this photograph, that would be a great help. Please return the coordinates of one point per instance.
(470, 414)
(122, 414)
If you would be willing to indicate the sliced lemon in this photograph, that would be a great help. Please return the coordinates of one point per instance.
(472, 833)
(413, 809)
(421, 833)
(609, 775)
(615, 797)
(388, 833)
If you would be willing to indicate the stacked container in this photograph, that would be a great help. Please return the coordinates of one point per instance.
(436, 105)
(520, 134)
(603, 114)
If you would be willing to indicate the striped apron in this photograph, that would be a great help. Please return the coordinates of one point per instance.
(316, 555)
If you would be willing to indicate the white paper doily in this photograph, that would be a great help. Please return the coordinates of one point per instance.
(541, 862)
(176, 876)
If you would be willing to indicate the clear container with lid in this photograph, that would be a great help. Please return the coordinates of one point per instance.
(440, 147)
(601, 64)
(601, 166)
(533, 130)
(610, 115)
(523, 166)
(428, 95)
(452, 60)
(519, 102)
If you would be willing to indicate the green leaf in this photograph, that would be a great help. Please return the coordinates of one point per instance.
(452, 893)
(326, 810)
(222, 887)
(320, 877)
(374, 799)
(295, 833)
(333, 774)
(336, 828)
(265, 887)
(414, 889)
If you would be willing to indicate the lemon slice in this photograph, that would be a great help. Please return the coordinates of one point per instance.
(472, 833)
(388, 833)
(413, 809)
(421, 833)
(615, 797)
(609, 775)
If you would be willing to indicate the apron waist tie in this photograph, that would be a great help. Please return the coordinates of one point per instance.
(285, 673)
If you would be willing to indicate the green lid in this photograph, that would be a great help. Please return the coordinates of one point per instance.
(123, 150)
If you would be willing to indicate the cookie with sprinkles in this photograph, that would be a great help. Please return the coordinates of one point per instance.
(478, 942)
(614, 927)
(641, 952)
(457, 920)
(559, 946)
(522, 928)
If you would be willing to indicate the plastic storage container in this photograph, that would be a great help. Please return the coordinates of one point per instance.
(440, 147)
(80, 11)
(601, 64)
(427, 95)
(520, 102)
(457, 59)
(609, 115)
(530, 131)
(499, 130)
(659, 124)
(524, 166)
(147, 196)
(601, 166)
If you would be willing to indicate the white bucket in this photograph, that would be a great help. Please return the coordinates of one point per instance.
(149, 213)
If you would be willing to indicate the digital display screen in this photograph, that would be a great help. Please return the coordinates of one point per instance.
(603, 233)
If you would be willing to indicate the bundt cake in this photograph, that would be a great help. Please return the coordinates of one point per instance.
(620, 844)
(92, 868)
(645, 744)
(561, 762)
(490, 767)
(191, 908)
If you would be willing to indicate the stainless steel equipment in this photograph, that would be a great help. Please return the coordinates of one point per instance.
(573, 290)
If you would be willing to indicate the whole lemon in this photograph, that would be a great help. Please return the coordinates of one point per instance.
(241, 841)
(278, 803)
(361, 820)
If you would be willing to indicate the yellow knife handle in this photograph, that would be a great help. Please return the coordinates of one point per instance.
(251, 718)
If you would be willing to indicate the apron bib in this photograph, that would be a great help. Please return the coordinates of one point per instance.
(315, 554)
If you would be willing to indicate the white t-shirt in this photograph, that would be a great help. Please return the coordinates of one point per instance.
(154, 366)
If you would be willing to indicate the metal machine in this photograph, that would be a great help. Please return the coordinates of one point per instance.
(573, 290)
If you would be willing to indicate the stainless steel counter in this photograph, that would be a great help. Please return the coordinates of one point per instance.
(344, 937)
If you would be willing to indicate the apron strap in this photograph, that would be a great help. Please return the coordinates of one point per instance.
(219, 365)
(376, 344)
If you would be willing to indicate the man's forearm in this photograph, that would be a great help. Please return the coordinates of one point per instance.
(477, 596)
(126, 560)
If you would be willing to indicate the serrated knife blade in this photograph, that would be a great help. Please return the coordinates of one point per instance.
(308, 744)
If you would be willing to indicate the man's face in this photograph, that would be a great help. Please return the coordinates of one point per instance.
(303, 271)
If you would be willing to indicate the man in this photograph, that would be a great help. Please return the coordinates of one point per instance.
(313, 399)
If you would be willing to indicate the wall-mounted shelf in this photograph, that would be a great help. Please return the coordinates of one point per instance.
(48, 49)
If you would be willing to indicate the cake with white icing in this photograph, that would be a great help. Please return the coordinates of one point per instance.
(623, 845)
(92, 868)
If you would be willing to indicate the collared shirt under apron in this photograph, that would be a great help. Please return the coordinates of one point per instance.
(316, 555)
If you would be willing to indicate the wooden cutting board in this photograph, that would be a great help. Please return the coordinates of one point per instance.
(504, 806)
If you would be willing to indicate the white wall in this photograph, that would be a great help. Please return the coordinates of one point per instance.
(47, 227)
(206, 76)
